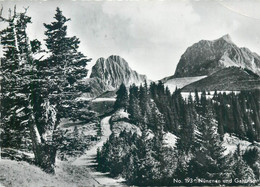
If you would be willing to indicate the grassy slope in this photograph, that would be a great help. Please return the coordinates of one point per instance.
(22, 174)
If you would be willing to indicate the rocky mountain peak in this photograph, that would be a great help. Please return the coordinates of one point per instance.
(227, 38)
(206, 57)
(114, 71)
(108, 74)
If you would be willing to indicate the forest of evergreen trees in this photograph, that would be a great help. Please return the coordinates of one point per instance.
(37, 92)
(199, 122)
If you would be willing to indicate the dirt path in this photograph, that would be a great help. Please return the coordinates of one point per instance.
(80, 172)
(88, 159)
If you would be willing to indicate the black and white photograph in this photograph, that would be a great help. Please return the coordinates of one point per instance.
(129, 93)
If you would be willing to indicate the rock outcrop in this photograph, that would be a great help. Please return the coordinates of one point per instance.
(108, 74)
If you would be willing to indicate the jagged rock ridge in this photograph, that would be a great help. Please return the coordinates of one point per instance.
(207, 57)
(108, 74)
(114, 71)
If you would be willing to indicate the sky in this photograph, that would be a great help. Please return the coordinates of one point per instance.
(150, 35)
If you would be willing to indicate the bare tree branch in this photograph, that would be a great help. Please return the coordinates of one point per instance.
(14, 11)
(1, 11)
(1, 17)
(10, 13)
(25, 9)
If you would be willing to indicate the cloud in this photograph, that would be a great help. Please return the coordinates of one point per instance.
(155, 29)
(155, 21)
(150, 35)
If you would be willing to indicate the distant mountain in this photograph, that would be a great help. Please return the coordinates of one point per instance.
(231, 78)
(108, 74)
(206, 57)
(114, 71)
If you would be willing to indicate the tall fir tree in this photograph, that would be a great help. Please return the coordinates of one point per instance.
(60, 76)
(24, 81)
(121, 98)
(186, 133)
(66, 67)
(209, 161)
(240, 169)
(134, 108)
(10, 88)
(19, 79)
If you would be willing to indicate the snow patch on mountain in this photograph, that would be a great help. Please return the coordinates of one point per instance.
(181, 82)
(227, 62)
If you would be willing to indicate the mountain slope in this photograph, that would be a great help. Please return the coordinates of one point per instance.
(232, 78)
(172, 83)
(108, 74)
(207, 57)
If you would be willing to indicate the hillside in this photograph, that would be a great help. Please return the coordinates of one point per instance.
(231, 79)
(22, 174)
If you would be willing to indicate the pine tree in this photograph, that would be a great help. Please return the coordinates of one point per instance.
(197, 99)
(254, 103)
(54, 89)
(159, 154)
(219, 118)
(239, 126)
(186, 133)
(133, 108)
(10, 100)
(122, 98)
(132, 167)
(23, 73)
(252, 157)
(203, 102)
(156, 120)
(66, 67)
(116, 167)
(19, 80)
(240, 169)
(139, 157)
(144, 99)
(208, 161)
(181, 171)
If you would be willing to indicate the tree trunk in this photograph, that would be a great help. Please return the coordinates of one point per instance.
(45, 157)
(44, 153)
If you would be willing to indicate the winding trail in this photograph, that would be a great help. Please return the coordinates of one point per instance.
(88, 159)
(74, 173)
